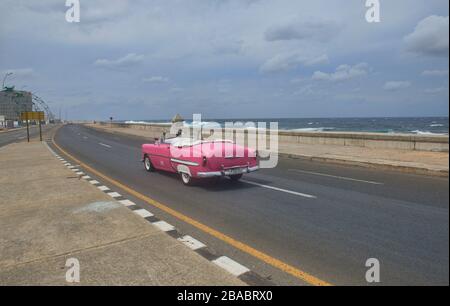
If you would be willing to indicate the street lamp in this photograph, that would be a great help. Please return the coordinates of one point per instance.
(4, 79)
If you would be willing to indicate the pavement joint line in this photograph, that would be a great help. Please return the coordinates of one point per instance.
(225, 262)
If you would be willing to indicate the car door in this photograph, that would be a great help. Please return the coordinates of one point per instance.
(161, 157)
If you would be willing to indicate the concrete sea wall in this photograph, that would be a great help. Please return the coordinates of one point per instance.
(367, 140)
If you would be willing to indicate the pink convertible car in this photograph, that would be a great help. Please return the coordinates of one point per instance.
(199, 159)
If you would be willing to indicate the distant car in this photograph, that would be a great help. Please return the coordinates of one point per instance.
(199, 159)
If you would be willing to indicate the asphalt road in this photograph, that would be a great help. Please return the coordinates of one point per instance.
(20, 135)
(353, 213)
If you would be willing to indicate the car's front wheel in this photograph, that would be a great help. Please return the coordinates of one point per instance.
(148, 164)
(186, 178)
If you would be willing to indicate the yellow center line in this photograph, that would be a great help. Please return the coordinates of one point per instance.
(308, 278)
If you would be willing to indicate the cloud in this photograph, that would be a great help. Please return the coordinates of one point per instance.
(343, 73)
(288, 61)
(128, 60)
(430, 37)
(316, 30)
(435, 73)
(436, 90)
(176, 89)
(396, 85)
(155, 79)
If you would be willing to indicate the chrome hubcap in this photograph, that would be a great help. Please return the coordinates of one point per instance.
(147, 163)
(185, 177)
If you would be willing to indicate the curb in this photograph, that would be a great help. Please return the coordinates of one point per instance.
(231, 266)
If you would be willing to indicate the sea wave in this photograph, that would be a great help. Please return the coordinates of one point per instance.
(145, 122)
(318, 129)
(419, 132)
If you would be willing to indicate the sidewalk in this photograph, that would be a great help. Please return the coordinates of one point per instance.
(47, 215)
(416, 162)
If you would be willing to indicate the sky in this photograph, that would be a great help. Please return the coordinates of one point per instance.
(151, 59)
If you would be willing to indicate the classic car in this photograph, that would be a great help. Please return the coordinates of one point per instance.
(196, 159)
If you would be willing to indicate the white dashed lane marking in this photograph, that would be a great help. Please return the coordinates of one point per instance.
(104, 145)
(336, 177)
(281, 189)
(94, 182)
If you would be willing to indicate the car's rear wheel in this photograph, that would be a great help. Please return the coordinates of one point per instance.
(186, 178)
(236, 177)
(148, 164)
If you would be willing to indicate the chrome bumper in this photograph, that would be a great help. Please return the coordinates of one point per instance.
(227, 172)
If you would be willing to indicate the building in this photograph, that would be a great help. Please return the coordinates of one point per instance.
(13, 102)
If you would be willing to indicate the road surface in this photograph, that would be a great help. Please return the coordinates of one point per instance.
(323, 219)
(20, 135)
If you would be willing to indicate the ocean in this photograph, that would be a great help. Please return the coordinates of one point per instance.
(417, 125)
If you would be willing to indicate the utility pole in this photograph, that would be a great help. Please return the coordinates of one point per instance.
(28, 127)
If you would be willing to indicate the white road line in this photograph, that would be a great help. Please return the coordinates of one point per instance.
(143, 213)
(114, 194)
(94, 182)
(192, 243)
(230, 265)
(336, 177)
(105, 145)
(75, 169)
(164, 226)
(103, 188)
(86, 177)
(127, 203)
(281, 189)
(79, 173)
